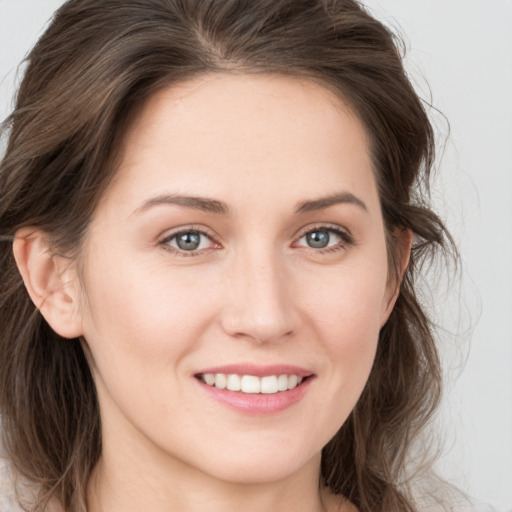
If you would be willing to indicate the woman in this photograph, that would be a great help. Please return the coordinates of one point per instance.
(217, 209)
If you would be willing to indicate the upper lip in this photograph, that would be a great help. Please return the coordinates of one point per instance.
(257, 370)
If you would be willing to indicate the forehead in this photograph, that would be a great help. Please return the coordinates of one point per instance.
(252, 133)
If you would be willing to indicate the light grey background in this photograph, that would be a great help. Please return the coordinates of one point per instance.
(463, 50)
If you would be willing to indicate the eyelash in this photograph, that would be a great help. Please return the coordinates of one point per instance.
(186, 254)
(346, 240)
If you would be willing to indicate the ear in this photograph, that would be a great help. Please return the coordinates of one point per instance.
(402, 240)
(50, 281)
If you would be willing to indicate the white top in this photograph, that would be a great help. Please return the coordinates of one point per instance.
(7, 500)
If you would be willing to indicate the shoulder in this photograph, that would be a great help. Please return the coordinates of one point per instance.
(8, 501)
(469, 506)
(445, 497)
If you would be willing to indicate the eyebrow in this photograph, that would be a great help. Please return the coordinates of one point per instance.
(203, 204)
(326, 202)
(208, 205)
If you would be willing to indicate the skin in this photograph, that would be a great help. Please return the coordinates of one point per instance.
(255, 291)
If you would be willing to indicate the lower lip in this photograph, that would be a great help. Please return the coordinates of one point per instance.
(258, 403)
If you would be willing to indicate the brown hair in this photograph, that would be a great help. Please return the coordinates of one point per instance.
(96, 63)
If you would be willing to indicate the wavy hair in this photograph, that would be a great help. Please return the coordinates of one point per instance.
(96, 64)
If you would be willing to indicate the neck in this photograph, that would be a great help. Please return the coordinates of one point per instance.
(131, 487)
(135, 474)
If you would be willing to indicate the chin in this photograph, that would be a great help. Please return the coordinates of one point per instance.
(260, 466)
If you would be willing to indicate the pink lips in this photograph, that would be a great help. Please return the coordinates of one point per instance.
(257, 403)
(258, 371)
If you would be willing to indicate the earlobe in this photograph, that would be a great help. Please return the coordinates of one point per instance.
(49, 282)
(403, 241)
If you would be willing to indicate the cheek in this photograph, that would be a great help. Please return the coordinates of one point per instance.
(347, 313)
(140, 330)
(139, 323)
(349, 301)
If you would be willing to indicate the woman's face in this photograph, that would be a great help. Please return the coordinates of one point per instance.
(240, 244)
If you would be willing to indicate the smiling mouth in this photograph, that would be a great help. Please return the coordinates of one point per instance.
(251, 384)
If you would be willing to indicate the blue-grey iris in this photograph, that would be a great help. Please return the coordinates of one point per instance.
(188, 241)
(318, 239)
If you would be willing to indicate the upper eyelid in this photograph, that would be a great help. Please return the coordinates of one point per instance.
(170, 234)
(326, 226)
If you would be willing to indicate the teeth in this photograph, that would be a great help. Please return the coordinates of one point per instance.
(220, 381)
(269, 384)
(282, 382)
(234, 382)
(251, 384)
(209, 378)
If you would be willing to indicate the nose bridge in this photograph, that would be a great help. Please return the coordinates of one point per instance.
(260, 302)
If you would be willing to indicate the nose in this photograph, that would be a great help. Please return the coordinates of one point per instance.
(259, 302)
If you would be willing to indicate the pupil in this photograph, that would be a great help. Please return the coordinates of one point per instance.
(189, 241)
(318, 239)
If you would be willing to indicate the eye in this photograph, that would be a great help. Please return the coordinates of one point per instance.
(318, 239)
(188, 241)
(325, 238)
